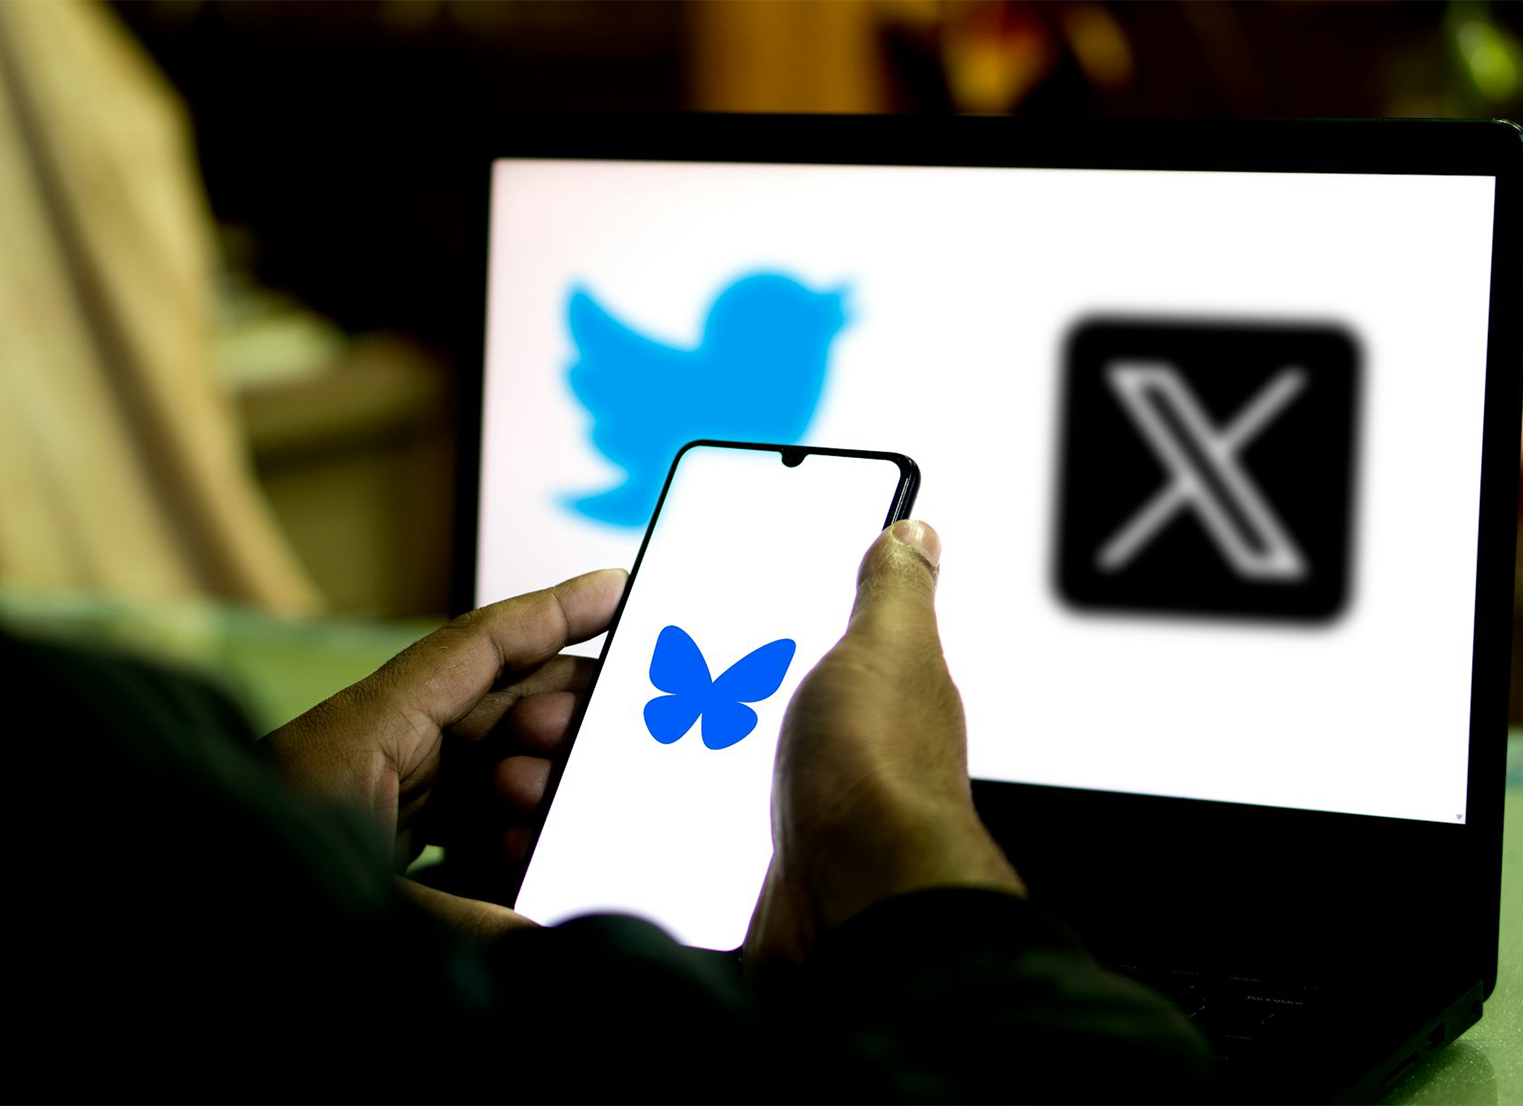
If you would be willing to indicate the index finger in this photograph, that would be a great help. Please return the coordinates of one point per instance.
(447, 673)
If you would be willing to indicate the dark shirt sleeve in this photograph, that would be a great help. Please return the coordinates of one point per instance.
(182, 927)
(187, 928)
(962, 994)
(942, 995)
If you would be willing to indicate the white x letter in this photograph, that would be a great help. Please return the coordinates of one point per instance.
(1234, 513)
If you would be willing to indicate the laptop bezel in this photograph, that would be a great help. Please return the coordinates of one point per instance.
(1435, 147)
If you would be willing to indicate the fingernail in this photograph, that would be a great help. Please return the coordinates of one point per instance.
(920, 537)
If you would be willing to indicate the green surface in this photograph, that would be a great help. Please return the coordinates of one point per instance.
(1486, 1064)
(276, 667)
(279, 668)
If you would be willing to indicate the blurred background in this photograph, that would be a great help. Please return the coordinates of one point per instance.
(240, 278)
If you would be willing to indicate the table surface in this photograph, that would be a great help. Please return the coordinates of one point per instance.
(1486, 1064)
(279, 668)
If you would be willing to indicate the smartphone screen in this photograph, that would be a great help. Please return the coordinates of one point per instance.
(746, 579)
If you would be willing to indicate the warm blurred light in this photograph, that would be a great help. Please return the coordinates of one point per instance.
(994, 55)
(1099, 44)
(487, 17)
(1490, 57)
(784, 55)
(410, 15)
(925, 14)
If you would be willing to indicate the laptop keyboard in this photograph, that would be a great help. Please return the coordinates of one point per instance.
(1282, 1039)
(1244, 1016)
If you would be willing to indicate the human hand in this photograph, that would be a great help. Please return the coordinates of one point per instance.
(449, 741)
(870, 793)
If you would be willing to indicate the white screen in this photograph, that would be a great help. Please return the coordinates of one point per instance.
(745, 552)
(961, 286)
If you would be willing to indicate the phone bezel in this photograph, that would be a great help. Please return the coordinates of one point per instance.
(903, 503)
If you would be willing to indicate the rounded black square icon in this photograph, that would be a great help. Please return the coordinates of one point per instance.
(1207, 468)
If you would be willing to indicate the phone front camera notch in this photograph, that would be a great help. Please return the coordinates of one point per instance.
(793, 458)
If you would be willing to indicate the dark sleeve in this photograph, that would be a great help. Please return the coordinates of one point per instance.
(181, 927)
(943, 995)
(186, 928)
(962, 994)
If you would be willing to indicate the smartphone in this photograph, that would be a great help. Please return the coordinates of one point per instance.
(745, 579)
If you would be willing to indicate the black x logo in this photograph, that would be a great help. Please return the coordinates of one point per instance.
(1207, 468)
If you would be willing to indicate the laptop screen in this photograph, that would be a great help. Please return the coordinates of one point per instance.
(1204, 449)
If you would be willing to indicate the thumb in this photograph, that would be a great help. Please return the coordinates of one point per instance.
(896, 585)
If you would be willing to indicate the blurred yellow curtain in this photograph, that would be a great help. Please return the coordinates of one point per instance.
(122, 470)
(785, 55)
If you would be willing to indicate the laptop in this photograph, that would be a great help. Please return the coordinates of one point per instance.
(1219, 422)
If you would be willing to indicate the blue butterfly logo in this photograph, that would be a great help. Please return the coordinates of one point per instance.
(677, 667)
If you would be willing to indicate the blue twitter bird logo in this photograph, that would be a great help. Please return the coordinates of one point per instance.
(678, 668)
(756, 376)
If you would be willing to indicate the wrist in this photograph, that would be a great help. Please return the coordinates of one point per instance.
(911, 848)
